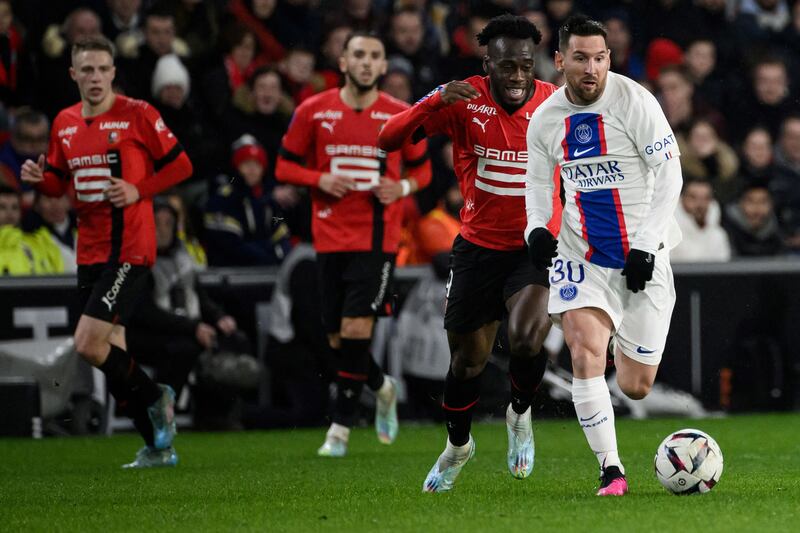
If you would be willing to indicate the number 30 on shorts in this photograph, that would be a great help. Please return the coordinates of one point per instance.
(573, 271)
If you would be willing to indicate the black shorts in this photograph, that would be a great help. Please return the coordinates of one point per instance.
(481, 281)
(354, 284)
(109, 292)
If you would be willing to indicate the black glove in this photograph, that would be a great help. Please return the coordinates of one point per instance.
(638, 269)
(542, 248)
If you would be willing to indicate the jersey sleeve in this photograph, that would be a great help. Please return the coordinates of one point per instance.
(442, 120)
(650, 130)
(55, 155)
(299, 137)
(539, 182)
(170, 162)
(56, 170)
(156, 137)
(417, 162)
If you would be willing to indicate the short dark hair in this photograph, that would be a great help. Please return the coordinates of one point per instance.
(362, 33)
(512, 26)
(752, 185)
(159, 10)
(93, 43)
(690, 179)
(580, 25)
(233, 35)
(407, 10)
(263, 71)
(681, 70)
(7, 189)
(29, 116)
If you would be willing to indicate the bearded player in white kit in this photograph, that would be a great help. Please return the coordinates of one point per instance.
(611, 279)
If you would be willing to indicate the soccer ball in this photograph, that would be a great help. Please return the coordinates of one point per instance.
(688, 462)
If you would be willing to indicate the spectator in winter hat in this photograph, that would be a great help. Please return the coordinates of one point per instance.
(661, 53)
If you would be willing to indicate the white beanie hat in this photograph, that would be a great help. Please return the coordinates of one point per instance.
(170, 71)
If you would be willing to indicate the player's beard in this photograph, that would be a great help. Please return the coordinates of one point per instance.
(589, 97)
(360, 87)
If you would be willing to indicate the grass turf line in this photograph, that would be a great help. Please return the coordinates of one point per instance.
(273, 481)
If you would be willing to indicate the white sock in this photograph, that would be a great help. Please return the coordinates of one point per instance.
(338, 432)
(518, 423)
(596, 416)
(386, 391)
(453, 454)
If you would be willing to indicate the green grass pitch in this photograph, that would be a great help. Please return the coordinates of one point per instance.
(273, 481)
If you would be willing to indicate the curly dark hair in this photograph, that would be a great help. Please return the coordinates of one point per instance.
(512, 26)
(579, 25)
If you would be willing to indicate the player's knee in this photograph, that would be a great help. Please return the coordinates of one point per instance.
(585, 358)
(462, 368)
(526, 340)
(89, 347)
(635, 389)
(356, 328)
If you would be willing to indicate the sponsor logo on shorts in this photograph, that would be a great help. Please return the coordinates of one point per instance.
(376, 303)
(644, 351)
(110, 298)
(568, 292)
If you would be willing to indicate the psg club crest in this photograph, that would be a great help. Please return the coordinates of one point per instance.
(113, 137)
(568, 292)
(583, 133)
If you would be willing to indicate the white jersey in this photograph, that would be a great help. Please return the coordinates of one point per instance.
(609, 153)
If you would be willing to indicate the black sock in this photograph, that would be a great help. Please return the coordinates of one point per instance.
(374, 375)
(460, 398)
(127, 382)
(350, 379)
(526, 375)
(142, 423)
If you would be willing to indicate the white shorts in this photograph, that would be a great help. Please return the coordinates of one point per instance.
(641, 320)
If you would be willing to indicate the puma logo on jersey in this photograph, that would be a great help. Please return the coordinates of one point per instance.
(66, 141)
(481, 124)
(328, 125)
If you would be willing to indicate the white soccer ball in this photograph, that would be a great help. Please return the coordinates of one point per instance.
(688, 462)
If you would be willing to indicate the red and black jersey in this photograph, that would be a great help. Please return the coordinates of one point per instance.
(328, 136)
(490, 155)
(129, 141)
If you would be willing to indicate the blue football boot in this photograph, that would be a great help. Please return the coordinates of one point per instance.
(162, 416)
(149, 457)
(446, 469)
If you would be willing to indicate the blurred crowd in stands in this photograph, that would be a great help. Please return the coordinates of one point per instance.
(226, 76)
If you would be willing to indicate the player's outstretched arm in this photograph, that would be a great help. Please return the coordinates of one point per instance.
(403, 125)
